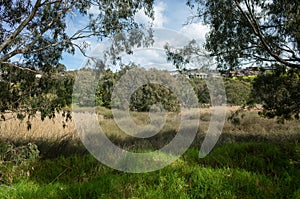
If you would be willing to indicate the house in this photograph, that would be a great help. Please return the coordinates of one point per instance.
(193, 73)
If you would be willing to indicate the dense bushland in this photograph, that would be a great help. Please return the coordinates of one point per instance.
(238, 92)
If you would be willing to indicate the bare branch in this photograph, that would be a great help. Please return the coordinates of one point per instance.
(82, 51)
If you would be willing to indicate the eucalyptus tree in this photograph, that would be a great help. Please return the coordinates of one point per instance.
(34, 34)
(252, 32)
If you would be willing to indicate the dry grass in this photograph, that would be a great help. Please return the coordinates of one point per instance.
(254, 126)
(251, 128)
(49, 135)
(49, 129)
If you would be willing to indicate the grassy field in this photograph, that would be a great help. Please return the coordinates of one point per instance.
(255, 158)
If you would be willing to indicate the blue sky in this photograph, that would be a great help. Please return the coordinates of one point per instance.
(169, 15)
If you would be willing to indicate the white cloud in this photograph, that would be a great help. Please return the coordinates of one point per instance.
(155, 56)
(195, 31)
(160, 18)
(94, 10)
(168, 18)
(140, 17)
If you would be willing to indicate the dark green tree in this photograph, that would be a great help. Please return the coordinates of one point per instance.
(106, 84)
(279, 93)
(238, 92)
(83, 89)
(201, 90)
(33, 36)
(150, 95)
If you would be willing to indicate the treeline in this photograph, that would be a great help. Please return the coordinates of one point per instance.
(22, 92)
(238, 91)
(278, 92)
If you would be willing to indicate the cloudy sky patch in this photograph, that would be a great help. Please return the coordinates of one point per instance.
(170, 17)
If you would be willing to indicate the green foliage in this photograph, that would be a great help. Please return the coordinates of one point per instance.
(250, 32)
(279, 93)
(15, 161)
(237, 91)
(105, 87)
(25, 93)
(143, 98)
(16, 155)
(36, 34)
(83, 92)
(243, 170)
(259, 31)
(201, 90)
(148, 95)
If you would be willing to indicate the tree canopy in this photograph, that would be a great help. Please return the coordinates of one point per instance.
(38, 29)
(279, 93)
(33, 36)
(251, 31)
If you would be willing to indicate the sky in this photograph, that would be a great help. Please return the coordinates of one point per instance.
(170, 17)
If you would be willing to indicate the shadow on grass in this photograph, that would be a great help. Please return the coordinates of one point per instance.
(240, 166)
(239, 170)
(67, 146)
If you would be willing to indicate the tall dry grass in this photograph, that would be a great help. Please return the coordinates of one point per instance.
(53, 137)
(49, 129)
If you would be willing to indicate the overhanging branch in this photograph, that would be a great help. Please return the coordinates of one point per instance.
(21, 26)
(257, 31)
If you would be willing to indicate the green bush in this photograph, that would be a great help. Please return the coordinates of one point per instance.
(279, 93)
(238, 91)
(18, 154)
(152, 96)
(15, 161)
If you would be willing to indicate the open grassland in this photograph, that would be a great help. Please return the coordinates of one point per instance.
(250, 128)
(254, 158)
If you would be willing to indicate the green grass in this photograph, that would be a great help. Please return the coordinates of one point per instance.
(257, 158)
(240, 170)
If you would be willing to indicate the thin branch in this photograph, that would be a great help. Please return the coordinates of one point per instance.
(26, 49)
(82, 51)
(235, 50)
(51, 2)
(21, 26)
(22, 68)
(256, 29)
